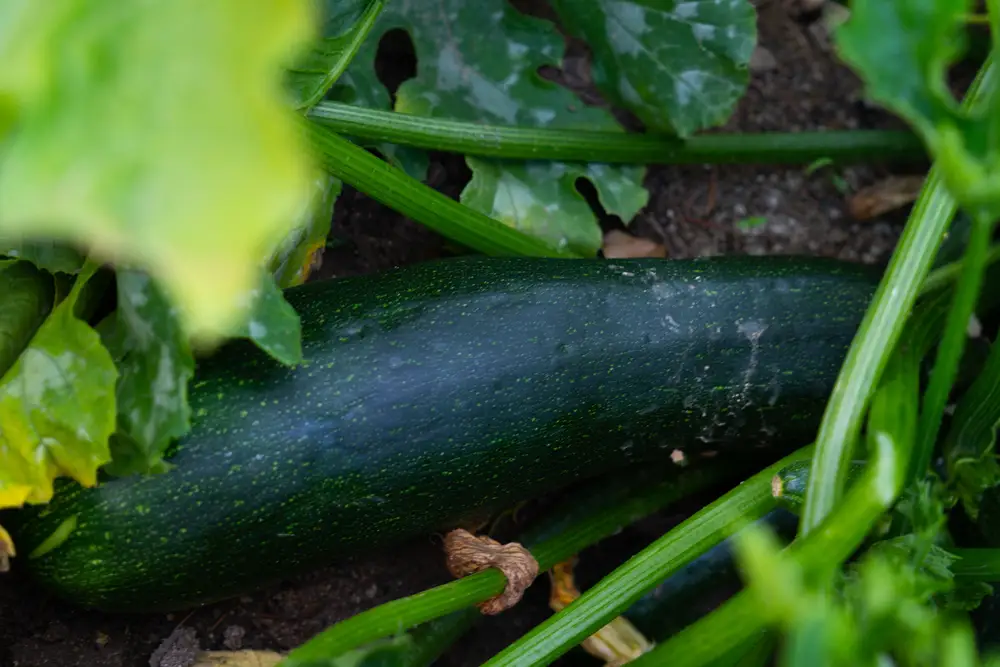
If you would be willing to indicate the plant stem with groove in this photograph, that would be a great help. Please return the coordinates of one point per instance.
(525, 143)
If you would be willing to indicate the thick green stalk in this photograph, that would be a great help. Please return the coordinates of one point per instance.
(390, 186)
(878, 334)
(526, 143)
(554, 540)
(623, 587)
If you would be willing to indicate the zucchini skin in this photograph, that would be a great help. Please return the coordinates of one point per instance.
(436, 392)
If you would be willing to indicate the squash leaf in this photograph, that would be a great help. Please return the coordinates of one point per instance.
(57, 407)
(158, 135)
(680, 66)
(274, 325)
(970, 444)
(903, 50)
(302, 249)
(155, 364)
(463, 76)
(346, 24)
(53, 257)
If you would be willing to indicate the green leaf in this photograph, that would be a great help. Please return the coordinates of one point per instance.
(155, 364)
(28, 297)
(462, 76)
(534, 198)
(970, 444)
(54, 257)
(57, 407)
(274, 325)
(157, 134)
(680, 66)
(302, 249)
(903, 50)
(346, 24)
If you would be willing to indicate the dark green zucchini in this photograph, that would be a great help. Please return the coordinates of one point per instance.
(434, 393)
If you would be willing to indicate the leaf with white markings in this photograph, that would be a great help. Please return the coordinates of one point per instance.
(57, 407)
(274, 325)
(679, 65)
(465, 77)
(155, 364)
(48, 255)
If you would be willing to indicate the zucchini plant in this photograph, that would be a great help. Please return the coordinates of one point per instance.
(168, 180)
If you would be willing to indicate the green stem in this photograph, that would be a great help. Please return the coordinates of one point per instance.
(552, 542)
(739, 619)
(390, 186)
(623, 587)
(524, 143)
(949, 273)
(878, 334)
(976, 564)
(949, 352)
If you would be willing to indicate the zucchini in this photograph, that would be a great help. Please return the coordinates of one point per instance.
(436, 393)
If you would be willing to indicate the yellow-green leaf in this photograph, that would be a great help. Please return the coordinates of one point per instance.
(157, 134)
(57, 408)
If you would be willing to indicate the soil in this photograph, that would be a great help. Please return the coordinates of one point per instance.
(796, 85)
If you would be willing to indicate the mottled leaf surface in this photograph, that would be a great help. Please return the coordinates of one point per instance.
(274, 325)
(479, 62)
(155, 364)
(57, 408)
(679, 65)
(158, 134)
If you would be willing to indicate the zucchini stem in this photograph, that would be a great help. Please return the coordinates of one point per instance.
(392, 187)
(616, 592)
(551, 542)
(525, 143)
(878, 334)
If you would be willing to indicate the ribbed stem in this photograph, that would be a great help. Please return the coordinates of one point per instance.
(526, 143)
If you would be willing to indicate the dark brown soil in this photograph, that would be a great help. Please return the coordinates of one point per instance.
(693, 211)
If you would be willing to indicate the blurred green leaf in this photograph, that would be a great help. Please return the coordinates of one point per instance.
(345, 25)
(156, 134)
(57, 407)
(155, 364)
(463, 76)
(302, 249)
(680, 66)
(274, 325)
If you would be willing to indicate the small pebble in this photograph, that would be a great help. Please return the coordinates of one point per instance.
(232, 637)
